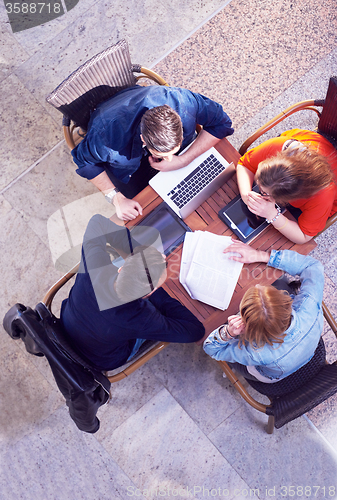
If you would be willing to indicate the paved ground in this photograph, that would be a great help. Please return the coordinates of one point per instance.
(176, 427)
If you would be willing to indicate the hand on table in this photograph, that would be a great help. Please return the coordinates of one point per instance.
(245, 253)
(261, 205)
(235, 325)
(126, 209)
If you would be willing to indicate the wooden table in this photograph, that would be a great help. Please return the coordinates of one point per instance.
(206, 218)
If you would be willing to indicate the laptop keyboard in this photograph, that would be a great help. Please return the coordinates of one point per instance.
(196, 181)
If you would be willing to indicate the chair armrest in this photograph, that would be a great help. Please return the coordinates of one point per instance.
(148, 73)
(135, 363)
(68, 135)
(48, 298)
(241, 390)
(307, 397)
(329, 318)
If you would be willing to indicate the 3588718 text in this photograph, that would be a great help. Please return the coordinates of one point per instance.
(32, 8)
(308, 491)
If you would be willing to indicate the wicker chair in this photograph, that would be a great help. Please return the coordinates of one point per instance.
(327, 124)
(145, 353)
(96, 81)
(297, 394)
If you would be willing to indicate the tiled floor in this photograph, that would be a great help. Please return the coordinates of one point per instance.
(176, 427)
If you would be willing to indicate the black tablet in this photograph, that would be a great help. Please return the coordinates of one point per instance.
(244, 224)
(170, 226)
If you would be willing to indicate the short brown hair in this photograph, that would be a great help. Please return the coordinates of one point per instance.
(266, 314)
(145, 265)
(161, 129)
(293, 175)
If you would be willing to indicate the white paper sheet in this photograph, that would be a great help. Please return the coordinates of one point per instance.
(206, 272)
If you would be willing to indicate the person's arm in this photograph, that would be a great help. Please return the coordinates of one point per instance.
(203, 142)
(249, 162)
(309, 270)
(241, 252)
(266, 208)
(245, 180)
(220, 346)
(223, 343)
(126, 209)
(101, 230)
(170, 321)
(90, 156)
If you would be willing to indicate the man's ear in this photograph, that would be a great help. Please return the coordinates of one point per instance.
(144, 143)
(119, 269)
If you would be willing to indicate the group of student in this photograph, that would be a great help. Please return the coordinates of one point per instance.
(110, 312)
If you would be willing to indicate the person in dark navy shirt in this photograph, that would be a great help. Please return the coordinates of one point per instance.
(138, 132)
(111, 311)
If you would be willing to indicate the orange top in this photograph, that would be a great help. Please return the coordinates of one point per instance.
(318, 208)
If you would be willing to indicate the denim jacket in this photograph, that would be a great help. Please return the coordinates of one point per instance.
(113, 140)
(280, 360)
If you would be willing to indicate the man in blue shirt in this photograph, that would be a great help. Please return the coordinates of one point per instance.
(122, 130)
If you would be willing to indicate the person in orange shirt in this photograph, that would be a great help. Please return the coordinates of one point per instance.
(298, 168)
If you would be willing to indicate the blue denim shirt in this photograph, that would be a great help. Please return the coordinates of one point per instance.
(113, 139)
(302, 336)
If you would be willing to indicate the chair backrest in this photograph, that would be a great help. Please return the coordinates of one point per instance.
(296, 379)
(327, 124)
(147, 351)
(95, 81)
(290, 406)
(84, 387)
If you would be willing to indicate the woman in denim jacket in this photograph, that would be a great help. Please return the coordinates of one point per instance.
(275, 334)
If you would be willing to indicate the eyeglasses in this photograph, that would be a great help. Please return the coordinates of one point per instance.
(263, 193)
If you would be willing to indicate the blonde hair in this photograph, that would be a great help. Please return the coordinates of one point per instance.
(291, 175)
(266, 314)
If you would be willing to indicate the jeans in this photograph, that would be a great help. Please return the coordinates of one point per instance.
(135, 349)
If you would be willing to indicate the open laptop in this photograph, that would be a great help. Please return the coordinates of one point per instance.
(185, 189)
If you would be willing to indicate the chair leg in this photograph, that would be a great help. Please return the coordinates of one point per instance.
(270, 425)
(246, 396)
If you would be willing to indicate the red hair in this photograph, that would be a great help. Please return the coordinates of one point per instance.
(266, 313)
